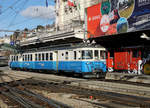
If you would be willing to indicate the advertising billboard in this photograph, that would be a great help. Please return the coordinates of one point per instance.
(118, 16)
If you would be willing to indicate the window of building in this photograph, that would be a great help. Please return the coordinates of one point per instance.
(75, 7)
(66, 9)
(70, 9)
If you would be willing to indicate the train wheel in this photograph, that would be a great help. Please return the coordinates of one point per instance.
(147, 69)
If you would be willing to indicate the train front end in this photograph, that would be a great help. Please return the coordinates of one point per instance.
(93, 63)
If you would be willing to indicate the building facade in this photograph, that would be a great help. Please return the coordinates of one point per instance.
(70, 16)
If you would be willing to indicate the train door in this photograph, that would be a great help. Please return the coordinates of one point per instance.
(55, 61)
(135, 57)
(121, 60)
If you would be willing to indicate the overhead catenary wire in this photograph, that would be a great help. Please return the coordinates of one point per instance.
(12, 24)
(9, 7)
(21, 22)
(9, 13)
(14, 9)
(17, 12)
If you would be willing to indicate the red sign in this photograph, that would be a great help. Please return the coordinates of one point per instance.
(98, 24)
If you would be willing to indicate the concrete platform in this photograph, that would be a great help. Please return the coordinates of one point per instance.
(128, 77)
(4, 77)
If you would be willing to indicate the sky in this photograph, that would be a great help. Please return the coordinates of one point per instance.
(20, 14)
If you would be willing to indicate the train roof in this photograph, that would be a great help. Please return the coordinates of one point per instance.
(61, 47)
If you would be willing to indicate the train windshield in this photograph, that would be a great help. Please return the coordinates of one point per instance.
(87, 54)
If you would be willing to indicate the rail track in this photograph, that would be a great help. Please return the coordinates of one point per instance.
(24, 98)
(19, 94)
(134, 101)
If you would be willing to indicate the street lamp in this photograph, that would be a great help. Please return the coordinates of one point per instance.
(144, 36)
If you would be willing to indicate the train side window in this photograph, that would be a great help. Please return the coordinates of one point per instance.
(103, 54)
(75, 55)
(66, 57)
(11, 58)
(25, 57)
(46, 56)
(39, 57)
(28, 57)
(96, 55)
(135, 53)
(35, 57)
(79, 55)
(51, 56)
(16, 58)
(43, 56)
(31, 57)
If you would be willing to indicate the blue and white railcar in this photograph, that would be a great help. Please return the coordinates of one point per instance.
(86, 60)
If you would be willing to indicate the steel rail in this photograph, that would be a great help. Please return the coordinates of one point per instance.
(51, 102)
(33, 105)
(122, 98)
(15, 93)
(20, 101)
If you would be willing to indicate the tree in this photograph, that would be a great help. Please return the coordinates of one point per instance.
(26, 30)
(16, 34)
(39, 27)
